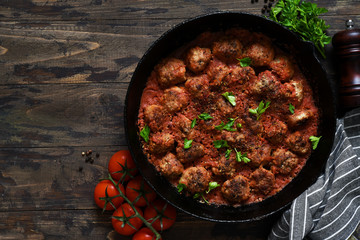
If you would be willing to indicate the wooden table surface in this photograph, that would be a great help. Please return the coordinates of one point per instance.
(65, 66)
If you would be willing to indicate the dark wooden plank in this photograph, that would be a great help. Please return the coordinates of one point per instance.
(62, 115)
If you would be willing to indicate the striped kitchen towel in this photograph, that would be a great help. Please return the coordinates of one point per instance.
(329, 209)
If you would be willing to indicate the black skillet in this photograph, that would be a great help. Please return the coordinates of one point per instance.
(286, 40)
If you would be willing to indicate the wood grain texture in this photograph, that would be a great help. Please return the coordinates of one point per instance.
(65, 66)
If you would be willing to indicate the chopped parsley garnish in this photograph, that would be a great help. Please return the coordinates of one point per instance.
(314, 141)
(241, 157)
(193, 123)
(212, 185)
(181, 187)
(220, 143)
(302, 17)
(239, 125)
(228, 126)
(260, 109)
(230, 97)
(187, 143)
(196, 195)
(144, 133)
(227, 153)
(291, 108)
(244, 62)
(205, 116)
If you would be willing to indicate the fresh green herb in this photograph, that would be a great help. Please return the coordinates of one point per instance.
(212, 185)
(220, 143)
(227, 126)
(144, 133)
(291, 108)
(314, 141)
(193, 123)
(205, 116)
(197, 195)
(239, 125)
(227, 153)
(230, 97)
(302, 17)
(181, 187)
(260, 109)
(187, 143)
(244, 62)
(241, 157)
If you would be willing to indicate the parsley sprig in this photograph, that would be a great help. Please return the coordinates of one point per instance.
(260, 109)
(302, 17)
(228, 126)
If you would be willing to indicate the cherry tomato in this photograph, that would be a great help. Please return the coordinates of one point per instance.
(144, 234)
(121, 166)
(166, 212)
(136, 187)
(106, 188)
(125, 215)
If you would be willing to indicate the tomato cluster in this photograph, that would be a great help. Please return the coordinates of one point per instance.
(136, 205)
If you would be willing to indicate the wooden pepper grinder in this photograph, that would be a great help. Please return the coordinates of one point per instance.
(347, 49)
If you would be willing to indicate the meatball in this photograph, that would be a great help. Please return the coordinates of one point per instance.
(293, 90)
(254, 125)
(217, 72)
(198, 58)
(283, 67)
(227, 49)
(259, 155)
(298, 143)
(175, 98)
(182, 123)
(262, 180)
(275, 130)
(240, 75)
(266, 84)
(233, 138)
(195, 152)
(154, 116)
(171, 71)
(261, 53)
(236, 189)
(198, 86)
(285, 160)
(224, 106)
(170, 167)
(196, 179)
(161, 142)
(225, 167)
(299, 118)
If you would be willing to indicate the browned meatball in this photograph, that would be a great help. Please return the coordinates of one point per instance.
(259, 155)
(170, 167)
(161, 142)
(285, 160)
(233, 138)
(154, 116)
(225, 167)
(261, 53)
(224, 106)
(299, 117)
(171, 71)
(240, 75)
(275, 130)
(182, 123)
(293, 90)
(262, 180)
(196, 179)
(227, 49)
(298, 143)
(195, 152)
(266, 84)
(254, 125)
(175, 98)
(283, 67)
(198, 86)
(236, 189)
(217, 71)
(198, 58)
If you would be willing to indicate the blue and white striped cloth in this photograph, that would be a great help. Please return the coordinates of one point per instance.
(329, 209)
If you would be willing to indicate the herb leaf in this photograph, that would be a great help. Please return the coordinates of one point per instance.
(244, 62)
(241, 157)
(205, 116)
(302, 17)
(227, 153)
(291, 108)
(145, 132)
(230, 97)
(212, 185)
(181, 187)
(193, 123)
(227, 126)
(260, 109)
(314, 141)
(220, 143)
(187, 143)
